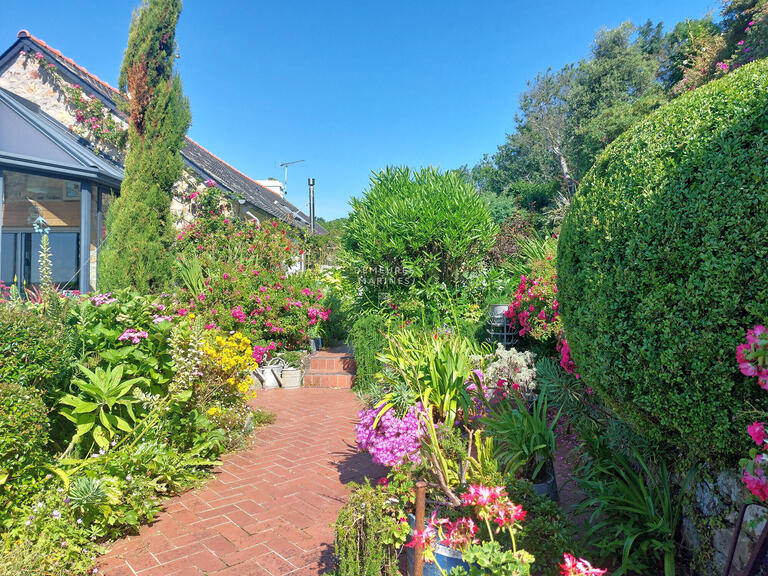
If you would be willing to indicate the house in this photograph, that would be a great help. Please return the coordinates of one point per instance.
(58, 173)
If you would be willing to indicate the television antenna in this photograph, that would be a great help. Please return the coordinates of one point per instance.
(285, 178)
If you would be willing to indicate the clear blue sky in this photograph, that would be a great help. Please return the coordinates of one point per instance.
(348, 86)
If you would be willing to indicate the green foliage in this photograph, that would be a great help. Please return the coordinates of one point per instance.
(418, 236)
(489, 559)
(364, 545)
(47, 540)
(103, 406)
(23, 439)
(660, 268)
(36, 350)
(368, 337)
(524, 440)
(435, 366)
(546, 532)
(634, 514)
(140, 226)
(99, 328)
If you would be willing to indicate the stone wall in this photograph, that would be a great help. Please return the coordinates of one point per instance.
(23, 79)
(709, 522)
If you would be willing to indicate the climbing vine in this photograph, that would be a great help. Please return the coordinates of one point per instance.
(92, 119)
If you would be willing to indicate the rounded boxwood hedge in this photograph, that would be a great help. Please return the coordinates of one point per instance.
(663, 265)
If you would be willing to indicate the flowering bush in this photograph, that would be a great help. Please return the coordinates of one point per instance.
(127, 329)
(231, 360)
(752, 357)
(512, 369)
(535, 311)
(392, 440)
(235, 274)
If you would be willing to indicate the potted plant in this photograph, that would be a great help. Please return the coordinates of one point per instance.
(468, 544)
(525, 441)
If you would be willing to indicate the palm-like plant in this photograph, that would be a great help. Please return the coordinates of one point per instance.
(103, 407)
(524, 439)
(634, 514)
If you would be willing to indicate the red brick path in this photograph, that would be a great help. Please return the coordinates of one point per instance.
(269, 510)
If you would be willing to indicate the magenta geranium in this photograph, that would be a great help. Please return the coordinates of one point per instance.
(573, 566)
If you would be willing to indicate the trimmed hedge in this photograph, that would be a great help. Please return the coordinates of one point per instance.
(663, 265)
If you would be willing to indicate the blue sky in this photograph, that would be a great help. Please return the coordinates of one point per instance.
(347, 86)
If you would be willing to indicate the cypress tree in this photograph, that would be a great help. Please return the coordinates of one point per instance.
(140, 228)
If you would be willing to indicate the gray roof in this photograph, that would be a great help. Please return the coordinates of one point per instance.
(209, 166)
(79, 159)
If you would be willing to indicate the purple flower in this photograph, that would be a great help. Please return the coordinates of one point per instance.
(393, 440)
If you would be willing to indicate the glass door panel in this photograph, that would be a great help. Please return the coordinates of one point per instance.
(8, 258)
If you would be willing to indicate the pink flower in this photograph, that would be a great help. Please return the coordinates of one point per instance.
(757, 431)
(210, 326)
(460, 534)
(134, 335)
(756, 483)
(573, 566)
(722, 65)
(422, 539)
(238, 314)
(210, 183)
(39, 55)
(182, 312)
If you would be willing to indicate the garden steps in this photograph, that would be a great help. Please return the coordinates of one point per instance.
(333, 368)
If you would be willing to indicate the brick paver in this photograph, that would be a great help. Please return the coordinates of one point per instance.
(269, 510)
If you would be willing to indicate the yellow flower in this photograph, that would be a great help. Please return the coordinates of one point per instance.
(213, 410)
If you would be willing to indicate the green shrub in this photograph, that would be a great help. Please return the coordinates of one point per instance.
(364, 535)
(23, 440)
(35, 349)
(546, 531)
(662, 266)
(368, 339)
(422, 234)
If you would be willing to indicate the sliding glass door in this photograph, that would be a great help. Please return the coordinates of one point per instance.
(20, 254)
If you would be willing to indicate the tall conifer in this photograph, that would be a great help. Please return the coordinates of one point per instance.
(139, 223)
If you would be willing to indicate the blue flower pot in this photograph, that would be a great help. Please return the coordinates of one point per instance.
(445, 557)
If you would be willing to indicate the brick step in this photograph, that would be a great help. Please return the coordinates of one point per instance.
(313, 379)
(332, 363)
